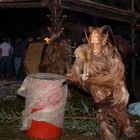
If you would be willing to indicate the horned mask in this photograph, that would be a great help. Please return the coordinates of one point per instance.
(98, 35)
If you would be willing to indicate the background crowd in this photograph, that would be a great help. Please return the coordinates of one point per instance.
(12, 53)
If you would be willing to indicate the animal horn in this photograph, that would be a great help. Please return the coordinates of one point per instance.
(108, 28)
(105, 27)
(86, 35)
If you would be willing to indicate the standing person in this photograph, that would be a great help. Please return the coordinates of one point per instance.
(5, 68)
(17, 56)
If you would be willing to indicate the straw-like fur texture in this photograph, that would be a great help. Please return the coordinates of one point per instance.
(102, 75)
(57, 55)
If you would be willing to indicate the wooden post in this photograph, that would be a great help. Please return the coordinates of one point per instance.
(56, 17)
(133, 47)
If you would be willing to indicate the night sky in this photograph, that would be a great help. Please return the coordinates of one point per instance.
(20, 22)
(14, 22)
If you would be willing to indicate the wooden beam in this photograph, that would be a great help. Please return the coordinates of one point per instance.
(100, 10)
(11, 1)
(137, 27)
(22, 5)
(83, 6)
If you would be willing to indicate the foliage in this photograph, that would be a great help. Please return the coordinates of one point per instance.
(86, 126)
(9, 117)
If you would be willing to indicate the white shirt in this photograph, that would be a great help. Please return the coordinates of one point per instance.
(5, 48)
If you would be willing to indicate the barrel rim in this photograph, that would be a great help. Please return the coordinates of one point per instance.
(46, 76)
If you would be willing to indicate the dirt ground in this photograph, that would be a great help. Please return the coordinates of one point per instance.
(22, 136)
(10, 129)
(10, 101)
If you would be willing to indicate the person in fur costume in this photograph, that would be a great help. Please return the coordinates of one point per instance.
(99, 70)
